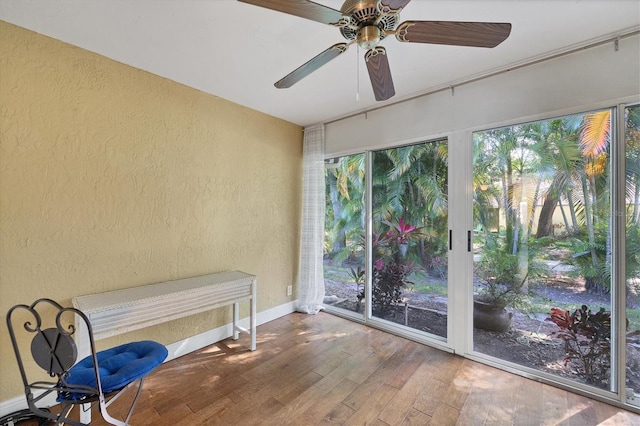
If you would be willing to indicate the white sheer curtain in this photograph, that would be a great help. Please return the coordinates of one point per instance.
(311, 277)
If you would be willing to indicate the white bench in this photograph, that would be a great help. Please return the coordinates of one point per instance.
(120, 311)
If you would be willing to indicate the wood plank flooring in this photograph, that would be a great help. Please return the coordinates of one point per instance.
(322, 369)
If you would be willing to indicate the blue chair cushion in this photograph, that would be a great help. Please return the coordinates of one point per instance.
(118, 366)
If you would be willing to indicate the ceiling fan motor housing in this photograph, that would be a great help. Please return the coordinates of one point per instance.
(367, 25)
(369, 36)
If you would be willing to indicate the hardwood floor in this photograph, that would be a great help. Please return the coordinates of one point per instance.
(322, 369)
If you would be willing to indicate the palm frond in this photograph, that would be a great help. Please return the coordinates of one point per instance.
(594, 136)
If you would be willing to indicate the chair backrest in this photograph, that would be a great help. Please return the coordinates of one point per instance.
(51, 329)
(54, 351)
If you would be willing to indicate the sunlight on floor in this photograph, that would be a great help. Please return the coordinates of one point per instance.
(312, 335)
(211, 349)
(573, 411)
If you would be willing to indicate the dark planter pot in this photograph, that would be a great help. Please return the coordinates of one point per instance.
(487, 316)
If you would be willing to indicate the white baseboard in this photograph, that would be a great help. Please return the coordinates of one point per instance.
(210, 337)
(176, 349)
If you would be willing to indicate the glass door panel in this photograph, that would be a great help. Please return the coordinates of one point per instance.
(632, 261)
(344, 249)
(410, 237)
(542, 246)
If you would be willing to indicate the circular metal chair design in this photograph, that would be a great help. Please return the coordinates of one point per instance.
(100, 378)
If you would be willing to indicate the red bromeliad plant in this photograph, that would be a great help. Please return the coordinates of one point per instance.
(401, 232)
(390, 269)
(396, 239)
(587, 338)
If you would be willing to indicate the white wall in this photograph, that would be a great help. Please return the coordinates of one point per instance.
(595, 77)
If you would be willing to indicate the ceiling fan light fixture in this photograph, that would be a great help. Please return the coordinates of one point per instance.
(369, 37)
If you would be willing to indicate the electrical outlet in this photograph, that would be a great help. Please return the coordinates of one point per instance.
(289, 290)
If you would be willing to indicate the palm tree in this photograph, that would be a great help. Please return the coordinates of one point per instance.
(632, 138)
(410, 182)
(559, 162)
(632, 180)
(505, 155)
(345, 206)
(594, 144)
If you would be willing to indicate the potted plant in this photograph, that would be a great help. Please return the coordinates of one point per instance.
(501, 288)
(358, 276)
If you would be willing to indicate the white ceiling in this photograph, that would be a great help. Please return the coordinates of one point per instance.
(237, 51)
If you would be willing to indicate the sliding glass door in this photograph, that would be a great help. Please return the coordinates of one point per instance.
(344, 242)
(406, 287)
(632, 257)
(542, 246)
(409, 237)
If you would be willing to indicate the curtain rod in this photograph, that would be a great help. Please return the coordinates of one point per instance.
(451, 86)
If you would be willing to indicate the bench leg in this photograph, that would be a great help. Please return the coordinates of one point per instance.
(236, 318)
(252, 320)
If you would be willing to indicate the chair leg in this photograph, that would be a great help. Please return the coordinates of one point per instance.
(59, 419)
(63, 417)
(105, 414)
(105, 404)
(135, 400)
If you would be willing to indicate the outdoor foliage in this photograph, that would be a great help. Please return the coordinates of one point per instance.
(389, 279)
(344, 221)
(409, 189)
(502, 283)
(587, 338)
(504, 277)
(391, 268)
(598, 274)
(358, 276)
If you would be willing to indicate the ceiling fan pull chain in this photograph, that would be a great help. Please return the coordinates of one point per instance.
(357, 73)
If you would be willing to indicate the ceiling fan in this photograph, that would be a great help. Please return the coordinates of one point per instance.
(367, 22)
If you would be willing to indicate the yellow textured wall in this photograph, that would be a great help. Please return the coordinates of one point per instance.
(111, 177)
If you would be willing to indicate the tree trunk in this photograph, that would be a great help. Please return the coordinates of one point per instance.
(545, 222)
(564, 216)
(509, 210)
(572, 211)
(532, 212)
(595, 218)
(340, 241)
(592, 283)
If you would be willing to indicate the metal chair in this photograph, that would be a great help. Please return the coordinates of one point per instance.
(100, 378)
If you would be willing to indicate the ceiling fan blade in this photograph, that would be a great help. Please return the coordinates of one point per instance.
(394, 4)
(310, 66)
(304, 9)
(379, 73)
(475, 34)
